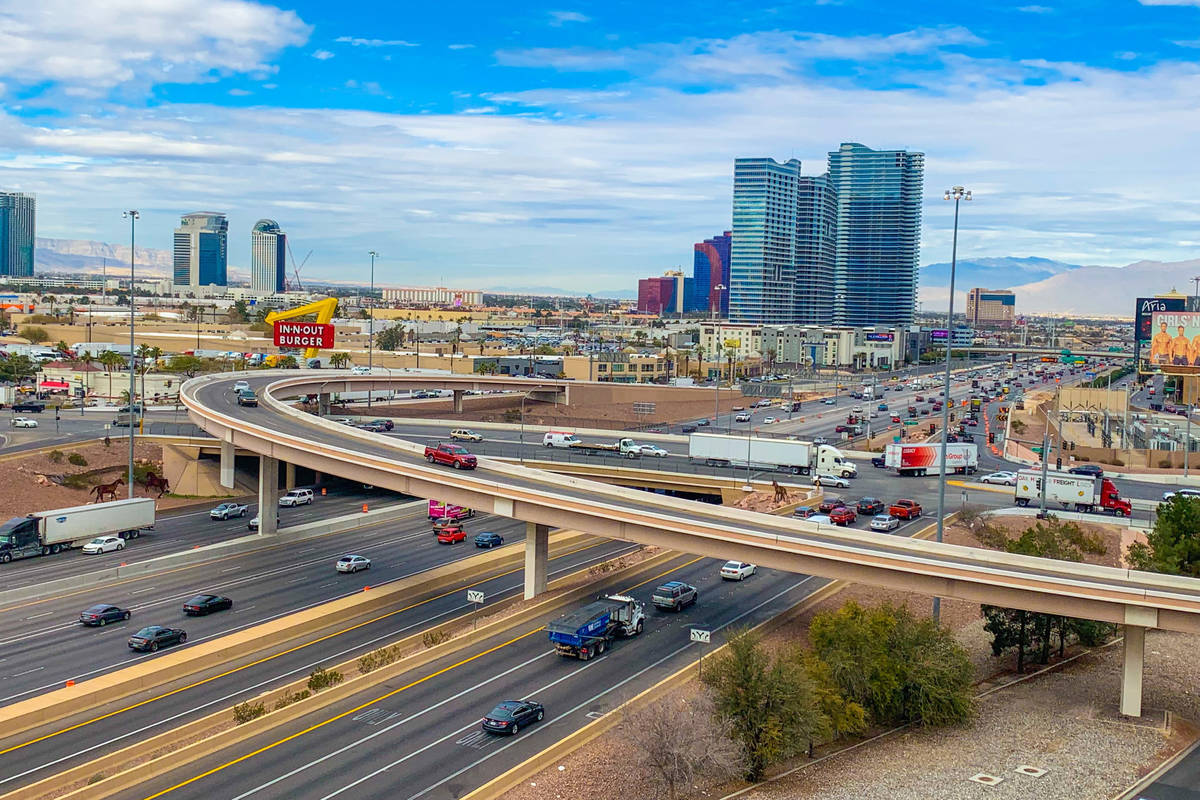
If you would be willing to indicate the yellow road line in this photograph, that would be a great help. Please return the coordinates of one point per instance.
(982, 487)
(392, 693)
(271, 657)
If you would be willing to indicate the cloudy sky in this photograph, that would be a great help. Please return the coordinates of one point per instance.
(582, 145)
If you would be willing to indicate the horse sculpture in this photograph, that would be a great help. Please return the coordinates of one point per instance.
(156, 482)
(781, 494)
(109, 489)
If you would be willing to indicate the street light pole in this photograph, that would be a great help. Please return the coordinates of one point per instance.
(957, 194)
(371, 325)
(132, 215)
(1187, 440)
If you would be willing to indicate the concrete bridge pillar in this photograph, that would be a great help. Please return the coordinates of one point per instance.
(289, 476)
(1131, 672)
(228, 462)
(323, 404)
(458, 401)
(537, 550)
(268, 494)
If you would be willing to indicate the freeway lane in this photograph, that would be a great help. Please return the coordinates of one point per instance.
(35, 755)
(418, 736)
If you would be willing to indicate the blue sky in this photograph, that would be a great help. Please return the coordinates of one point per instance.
(582, 145)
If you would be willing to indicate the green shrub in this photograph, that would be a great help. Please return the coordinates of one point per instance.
(320, 679)
(76, 482)
(99, 776)
(77, 459)
(288, 699)
(434, 638)
(55, 456)
(247, 711)
(379, 658)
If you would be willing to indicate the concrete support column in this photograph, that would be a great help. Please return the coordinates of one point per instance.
(268, 494)
(537, 550)
(323, 405)
(458, 401)
(317, 477)
(1131, 672)
(227, 464)
(289, 476)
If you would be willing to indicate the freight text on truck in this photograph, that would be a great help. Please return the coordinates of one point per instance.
(1084, 493)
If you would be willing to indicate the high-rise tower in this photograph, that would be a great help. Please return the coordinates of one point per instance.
(17, 234)
(762, 271)
(268, 257)
(201, 248)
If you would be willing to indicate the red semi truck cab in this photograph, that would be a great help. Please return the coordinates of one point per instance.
(1111, 500)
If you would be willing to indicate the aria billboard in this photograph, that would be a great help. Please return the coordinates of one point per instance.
(1174, 348)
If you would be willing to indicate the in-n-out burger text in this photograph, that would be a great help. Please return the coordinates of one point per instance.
(303, 334)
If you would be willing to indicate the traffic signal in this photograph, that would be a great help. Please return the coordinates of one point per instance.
(992, 437)
(1058, 463)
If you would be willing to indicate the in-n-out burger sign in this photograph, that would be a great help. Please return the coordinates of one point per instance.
(303, 334)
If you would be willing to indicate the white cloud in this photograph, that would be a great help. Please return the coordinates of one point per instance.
(91, 47)
(1170, 2)
(481, 110)
(558, 18)
(322, 55)
(356, 42)
(240, 92)
(460, 46)
(1036, 9)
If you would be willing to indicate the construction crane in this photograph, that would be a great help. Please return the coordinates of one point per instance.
(296, 285)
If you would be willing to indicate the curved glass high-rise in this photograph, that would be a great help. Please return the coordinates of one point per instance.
(762, 260)
(268, 257)
(17, 234)
(201, 250)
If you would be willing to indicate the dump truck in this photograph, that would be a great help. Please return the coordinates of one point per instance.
(46, 532)
(588, 631)
(926, 459)
(1082, 492)
(782, 455)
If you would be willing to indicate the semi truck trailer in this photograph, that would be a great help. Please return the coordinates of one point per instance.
(1082, 492)
(782, 455)
(926, 458)
(47, 532)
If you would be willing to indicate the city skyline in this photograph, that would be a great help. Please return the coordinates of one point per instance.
(577, 139)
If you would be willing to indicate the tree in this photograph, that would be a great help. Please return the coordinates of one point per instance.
(674, 742)
(16, 367)
(33, 334)
(770, 704)
(239, 312)
(391, 338)
(189, 366)
(485, 367)
(1173, 546)
(339, 360)
(110, 360)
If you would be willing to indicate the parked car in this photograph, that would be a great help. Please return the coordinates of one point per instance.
(466, 435)
(884, 522)
(1087, 469)
(830, 503)
(869, 505)
(821, 519)
(352, 563)
(488, 539)
(103, 613)
(104, 544)
(905, 509)
(831, 480)
(804, 512)
(227, 510)
(842, 515)
(155, 636)
(297, 497)
(1002, 478)
(674, 595)
(24, 422)
(206, 604)
(737, 570)
(512, 715)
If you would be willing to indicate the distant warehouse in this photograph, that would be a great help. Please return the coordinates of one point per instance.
(434, 296)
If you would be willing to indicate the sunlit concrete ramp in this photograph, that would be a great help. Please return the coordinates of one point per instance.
(278, 431)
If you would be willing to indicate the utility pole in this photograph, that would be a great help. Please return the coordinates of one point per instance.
(132, 215)
(371, 325)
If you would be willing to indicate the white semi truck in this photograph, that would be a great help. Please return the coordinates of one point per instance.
(926, 459)
(782, 455)
(46, 532)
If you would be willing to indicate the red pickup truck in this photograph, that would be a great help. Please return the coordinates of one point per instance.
(455, 455)
(905, 509)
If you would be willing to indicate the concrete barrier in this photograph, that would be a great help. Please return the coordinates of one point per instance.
(125, 779)
(240, 647)
(216, 550)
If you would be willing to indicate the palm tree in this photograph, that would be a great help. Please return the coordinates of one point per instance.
(700, 359)
(730, 354)
(339, 360)
(110, 360)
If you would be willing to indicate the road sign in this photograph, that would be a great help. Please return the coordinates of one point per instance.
(701, 635)
(644, 408)
(912, 422)
(474, 596)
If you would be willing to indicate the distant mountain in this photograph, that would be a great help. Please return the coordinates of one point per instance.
(992, 273)
(1108, 291)
(550, 291)
(97, 258)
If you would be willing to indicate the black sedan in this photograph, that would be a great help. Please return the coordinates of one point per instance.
(509, 716)
(1087, 469)
(870, 505)
(102, 614)
(206, 604)
(155, 636)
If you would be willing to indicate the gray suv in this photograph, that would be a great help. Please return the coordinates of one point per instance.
(674, 596)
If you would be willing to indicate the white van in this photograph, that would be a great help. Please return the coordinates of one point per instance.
(559, 439)
(360, 370)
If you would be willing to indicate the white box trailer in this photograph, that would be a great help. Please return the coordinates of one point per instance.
(46, 532)
(926, 458)
(782, 455)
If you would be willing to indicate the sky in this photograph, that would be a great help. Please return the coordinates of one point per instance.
(583, 145)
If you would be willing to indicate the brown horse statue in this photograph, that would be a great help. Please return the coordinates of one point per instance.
(109, 489)
(156, 482)
(781, 494)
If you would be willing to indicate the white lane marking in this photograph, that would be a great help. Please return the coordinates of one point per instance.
(45, 614)
(147, 589)
(26, 672)
(231, 569)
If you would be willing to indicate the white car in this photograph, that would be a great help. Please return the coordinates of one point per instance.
(360, 370)
(353, 563)
(653, 450)
(24, 422)
(1181, 492)
(737, 570)
(829, 401)
(831, 480)
(742, 418)
(297, 497)
(241, 386)
(884, 522)
(857, 409)
(104, 544)
(1002, 478)
(770, 420)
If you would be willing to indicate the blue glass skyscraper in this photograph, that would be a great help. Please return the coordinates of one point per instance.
(201, 247)
(762, 271)
(17, 233)
(710, 269)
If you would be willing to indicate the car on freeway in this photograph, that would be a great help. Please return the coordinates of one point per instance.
(255, 521)
(831, 480)
(820, 440)
(829, 401)
(103, 613)
(454, 455)
(241, 386)
(830, 503)
(674, 595)
(372, 426)
(451, 534)
(227, 510)
(879, 462)
(386, 423)
(804, 512)
(703, 423)
(1087, 469)
(769, 420)
(1166, 496)
(153, 637)
(739, 408)
(882, 407)
(352, 563)
(466, 435)
(1002, 478)
(895, 417)
(905, 509)
(488, 539)
(206, 604)
(653, 450)
(688, 428)
(764, 403)
(884, 523)
(24, 422)
(104, 544)
(511, 715)
(857, 409)
(842, 515)
(341, 420)
(970, 422)
(869, 505)
(297, 497)
(737, 570)
(247, 398)
(742, 418)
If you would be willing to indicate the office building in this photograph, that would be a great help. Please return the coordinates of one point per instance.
(816, 249)
(433, 296)
(17, 233)
(878, 234)
(762, 270)
(663, 295)
(201, 248)
(710, 270)
(268, 257)
(991, 308)
(720, 338)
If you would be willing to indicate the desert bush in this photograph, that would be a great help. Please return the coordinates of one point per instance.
(320, 679)
(77, 459)
(434, 638)
(244, 712)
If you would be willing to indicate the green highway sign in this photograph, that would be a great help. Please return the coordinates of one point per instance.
(911, 422)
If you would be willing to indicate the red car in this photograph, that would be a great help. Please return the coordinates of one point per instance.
(895, 417)
(451, 534)
(830, 503)
(905, 509)
(842, 515)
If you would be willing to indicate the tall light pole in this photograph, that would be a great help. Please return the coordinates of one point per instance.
(132, 215)
(957, 194)
(371, 325)
(716, 302)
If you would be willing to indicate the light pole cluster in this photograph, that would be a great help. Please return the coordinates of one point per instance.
(133, 216)
(371, 323)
